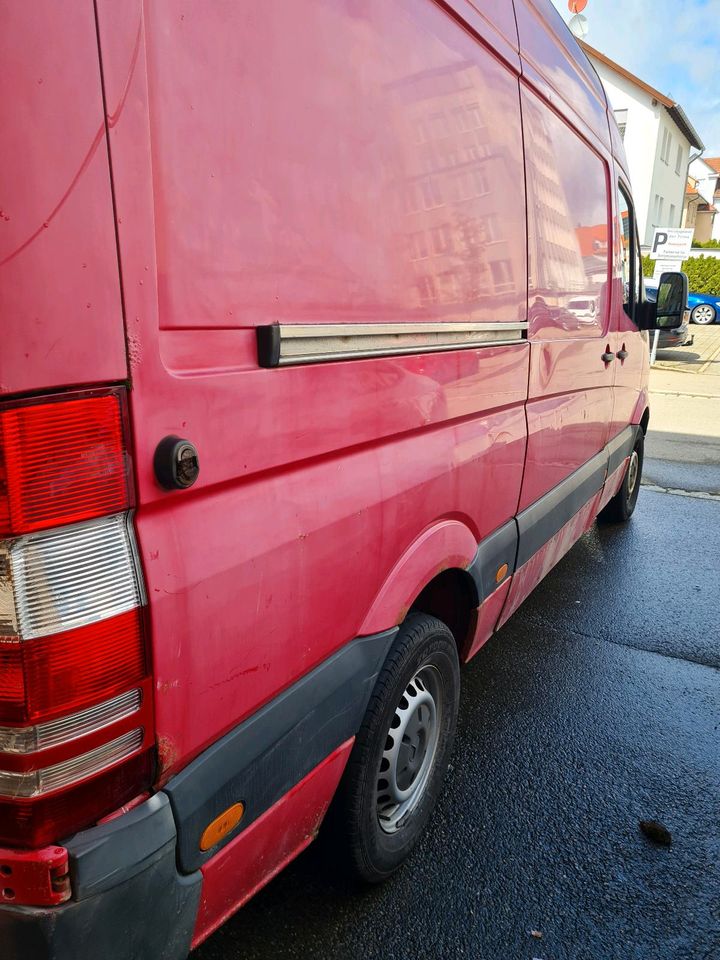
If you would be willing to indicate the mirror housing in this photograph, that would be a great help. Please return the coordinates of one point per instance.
(668, 312)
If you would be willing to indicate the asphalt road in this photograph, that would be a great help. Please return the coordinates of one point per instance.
(597, 706)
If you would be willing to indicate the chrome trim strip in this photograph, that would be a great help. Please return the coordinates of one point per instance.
(25, 740)
(286, 344)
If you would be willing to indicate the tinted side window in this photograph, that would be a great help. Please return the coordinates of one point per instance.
(567, 228)
(627, 252)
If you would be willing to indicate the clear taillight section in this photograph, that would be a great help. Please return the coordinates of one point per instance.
(68, 578)
(33, 783)
(75, 703)
(80, 724)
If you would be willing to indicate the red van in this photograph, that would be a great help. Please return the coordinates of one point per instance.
(297, 408)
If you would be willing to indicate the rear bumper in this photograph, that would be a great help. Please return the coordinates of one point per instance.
(129, 901)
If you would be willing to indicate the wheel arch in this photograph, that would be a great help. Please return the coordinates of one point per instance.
(430, 577)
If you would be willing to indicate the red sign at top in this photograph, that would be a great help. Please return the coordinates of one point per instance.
(577, 6)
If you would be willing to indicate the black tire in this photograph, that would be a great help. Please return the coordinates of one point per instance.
(423, 656)
(622, 505)
(704, 314)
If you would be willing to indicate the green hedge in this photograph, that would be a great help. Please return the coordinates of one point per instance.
(703, 273)
(708, 244)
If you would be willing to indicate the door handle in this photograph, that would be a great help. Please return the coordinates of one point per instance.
(622, 354)
(608, 356)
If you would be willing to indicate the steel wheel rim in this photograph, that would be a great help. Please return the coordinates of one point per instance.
(703, 313)
(410, 748)
(633, 470)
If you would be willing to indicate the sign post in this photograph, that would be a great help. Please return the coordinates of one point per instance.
(653, 349)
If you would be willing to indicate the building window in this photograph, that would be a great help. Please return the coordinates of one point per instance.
(410, 199)
(449, 287)
(439, 125)
(663, 145)
(679, 159)
(502, 276)
(418, 246)
(666, 146)
(661, 204)
(441, 239)
(672, 215)
(430, 192)
(470, 184)
(491, 229)
(427, 290)
(621, 119)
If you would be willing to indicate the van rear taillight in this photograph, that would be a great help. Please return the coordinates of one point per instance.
(62, 461)
(75, 695)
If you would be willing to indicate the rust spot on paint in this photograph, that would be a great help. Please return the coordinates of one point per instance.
(134, 350)
(167, 755)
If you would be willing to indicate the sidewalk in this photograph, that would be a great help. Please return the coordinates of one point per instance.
(682, 449)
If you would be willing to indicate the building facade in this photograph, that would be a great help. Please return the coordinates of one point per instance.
(705, 176)
(659, 142)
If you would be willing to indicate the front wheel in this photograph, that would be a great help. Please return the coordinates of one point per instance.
(622, 505)
(401, 753)
(703, 313)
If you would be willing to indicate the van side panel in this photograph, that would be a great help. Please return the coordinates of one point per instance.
(572, 371)
(570, 392)
(557, 67)
(300, 164)
(632, 372)
(60, 307)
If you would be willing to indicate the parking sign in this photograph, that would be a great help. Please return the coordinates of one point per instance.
(671, 243)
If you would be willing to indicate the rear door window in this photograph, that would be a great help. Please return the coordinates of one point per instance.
(567, 185)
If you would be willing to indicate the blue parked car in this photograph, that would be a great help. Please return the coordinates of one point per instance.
(704, 308)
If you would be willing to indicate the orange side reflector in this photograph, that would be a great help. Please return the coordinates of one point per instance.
(221, 826)
(502, 573)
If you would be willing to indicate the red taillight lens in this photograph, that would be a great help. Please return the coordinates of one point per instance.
(75, 707)
(47, 676)
(33, 823)
(61, 462)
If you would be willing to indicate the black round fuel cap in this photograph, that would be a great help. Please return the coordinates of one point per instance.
(176, 463)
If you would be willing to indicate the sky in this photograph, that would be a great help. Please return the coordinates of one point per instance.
(674, 45)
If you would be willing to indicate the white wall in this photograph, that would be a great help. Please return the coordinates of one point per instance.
(643, 143)
(706, 179)
(666, 181)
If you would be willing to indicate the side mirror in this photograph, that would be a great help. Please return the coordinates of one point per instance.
(672, 297)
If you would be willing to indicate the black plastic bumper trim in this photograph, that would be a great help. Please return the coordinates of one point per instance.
(110, 854)
(149, 916)
(621, 447)
(496, 549)
(271, 751)
(539, 522)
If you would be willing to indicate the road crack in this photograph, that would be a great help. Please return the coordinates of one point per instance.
(678, 492)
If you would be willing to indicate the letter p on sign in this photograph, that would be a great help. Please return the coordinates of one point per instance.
(659, 240)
